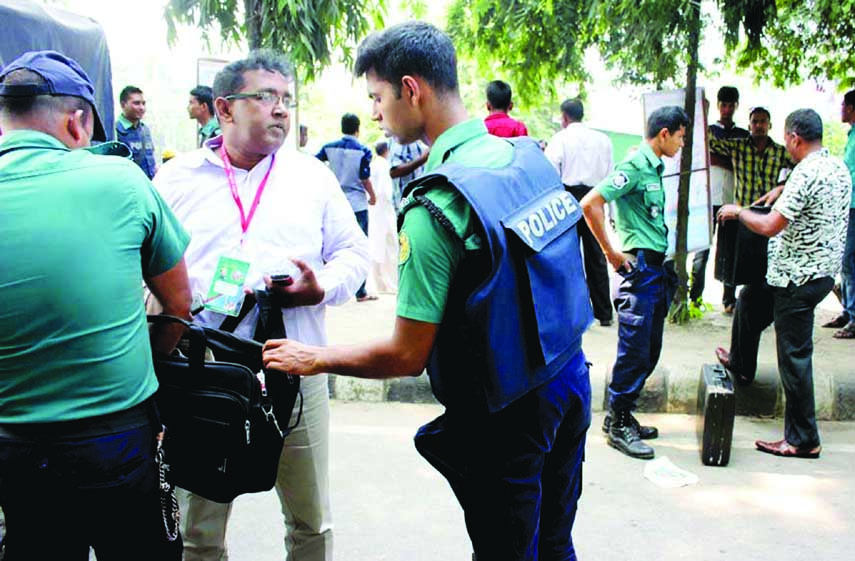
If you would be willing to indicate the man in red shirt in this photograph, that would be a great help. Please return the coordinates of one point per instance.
(498, 122)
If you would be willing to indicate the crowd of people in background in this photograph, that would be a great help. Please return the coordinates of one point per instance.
(439, 213)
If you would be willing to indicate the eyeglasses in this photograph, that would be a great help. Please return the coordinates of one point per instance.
(267, 98)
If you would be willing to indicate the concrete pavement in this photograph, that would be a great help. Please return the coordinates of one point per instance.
(389, 504)
(672, 388)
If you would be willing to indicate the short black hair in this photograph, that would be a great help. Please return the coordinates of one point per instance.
(30, 105)
(574, 109)
(414, 48)
(728, 94)
(205, 96)
(229, 80)
(671, 117)
(806, 123)
(499, 95)
(127, 92)
(849, 98)
(381, 147)
(349, 124)
(759, 109)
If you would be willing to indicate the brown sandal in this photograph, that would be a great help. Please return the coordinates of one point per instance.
(785, 449)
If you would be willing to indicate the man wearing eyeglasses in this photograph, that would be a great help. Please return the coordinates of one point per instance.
(244, 199)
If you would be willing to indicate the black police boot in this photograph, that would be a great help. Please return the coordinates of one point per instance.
(644, 432)
(624, 436)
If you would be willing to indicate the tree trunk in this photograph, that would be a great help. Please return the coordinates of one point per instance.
(252, 8)
(680, 307)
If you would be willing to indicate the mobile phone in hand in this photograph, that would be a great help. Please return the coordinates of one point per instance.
(282, 280)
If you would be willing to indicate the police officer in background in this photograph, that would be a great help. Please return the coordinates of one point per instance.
(510, 373)
(648, 282)
(132, 131)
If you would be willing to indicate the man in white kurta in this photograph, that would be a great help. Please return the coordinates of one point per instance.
(301, 214)
(382, 225)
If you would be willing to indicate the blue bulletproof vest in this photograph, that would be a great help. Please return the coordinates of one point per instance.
(518, 306)
(139, 141)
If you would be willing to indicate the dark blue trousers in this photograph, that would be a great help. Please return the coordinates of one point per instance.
(642, 300)
(518, 472)
(66, 487)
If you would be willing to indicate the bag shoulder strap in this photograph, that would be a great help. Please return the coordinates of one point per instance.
(231, 322)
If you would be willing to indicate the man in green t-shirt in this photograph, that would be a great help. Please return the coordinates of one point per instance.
(647, 281)
(846, 320)
(79, 233)
(515, 466)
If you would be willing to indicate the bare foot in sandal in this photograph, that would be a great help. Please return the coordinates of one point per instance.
(848, 331)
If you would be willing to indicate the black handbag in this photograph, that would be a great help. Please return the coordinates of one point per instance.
(225, 420)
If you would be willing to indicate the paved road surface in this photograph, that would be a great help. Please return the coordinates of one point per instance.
(390, 505)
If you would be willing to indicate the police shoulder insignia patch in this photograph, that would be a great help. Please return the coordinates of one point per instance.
(404, 248)
(620, 180)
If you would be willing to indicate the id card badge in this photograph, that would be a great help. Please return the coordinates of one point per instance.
(225, 296)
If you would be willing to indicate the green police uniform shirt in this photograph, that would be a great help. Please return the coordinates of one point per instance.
(78, 232)
(430, 254)
(636, 188)
(209, 131)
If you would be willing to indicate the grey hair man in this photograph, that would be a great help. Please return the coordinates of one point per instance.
(807, 231)
(243, 198)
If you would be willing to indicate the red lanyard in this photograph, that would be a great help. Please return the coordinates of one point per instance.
(245, 219)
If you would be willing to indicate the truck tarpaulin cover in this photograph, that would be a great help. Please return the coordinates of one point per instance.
(30, 27)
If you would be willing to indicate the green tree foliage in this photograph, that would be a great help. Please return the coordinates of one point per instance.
(309, 31)
(535, 41)
(541, 42)
(789, 41)
(647, 41)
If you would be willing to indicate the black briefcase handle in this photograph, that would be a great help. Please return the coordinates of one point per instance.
(195, 334)
(199, 342)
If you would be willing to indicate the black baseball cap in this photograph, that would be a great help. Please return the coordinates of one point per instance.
(63, 76)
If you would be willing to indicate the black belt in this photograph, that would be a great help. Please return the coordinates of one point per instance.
(578, 191)
(651, 257)
(137, 416)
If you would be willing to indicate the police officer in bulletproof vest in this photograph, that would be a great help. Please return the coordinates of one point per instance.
(131, 130)
(492, 299)
(647, 280)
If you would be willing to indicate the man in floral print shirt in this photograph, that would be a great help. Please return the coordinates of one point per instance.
(807, 225)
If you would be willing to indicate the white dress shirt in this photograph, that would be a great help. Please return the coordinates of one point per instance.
(581, 155)
(302, 213)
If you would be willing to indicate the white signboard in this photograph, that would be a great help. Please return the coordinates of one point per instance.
(207, 68)
(700, 210)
